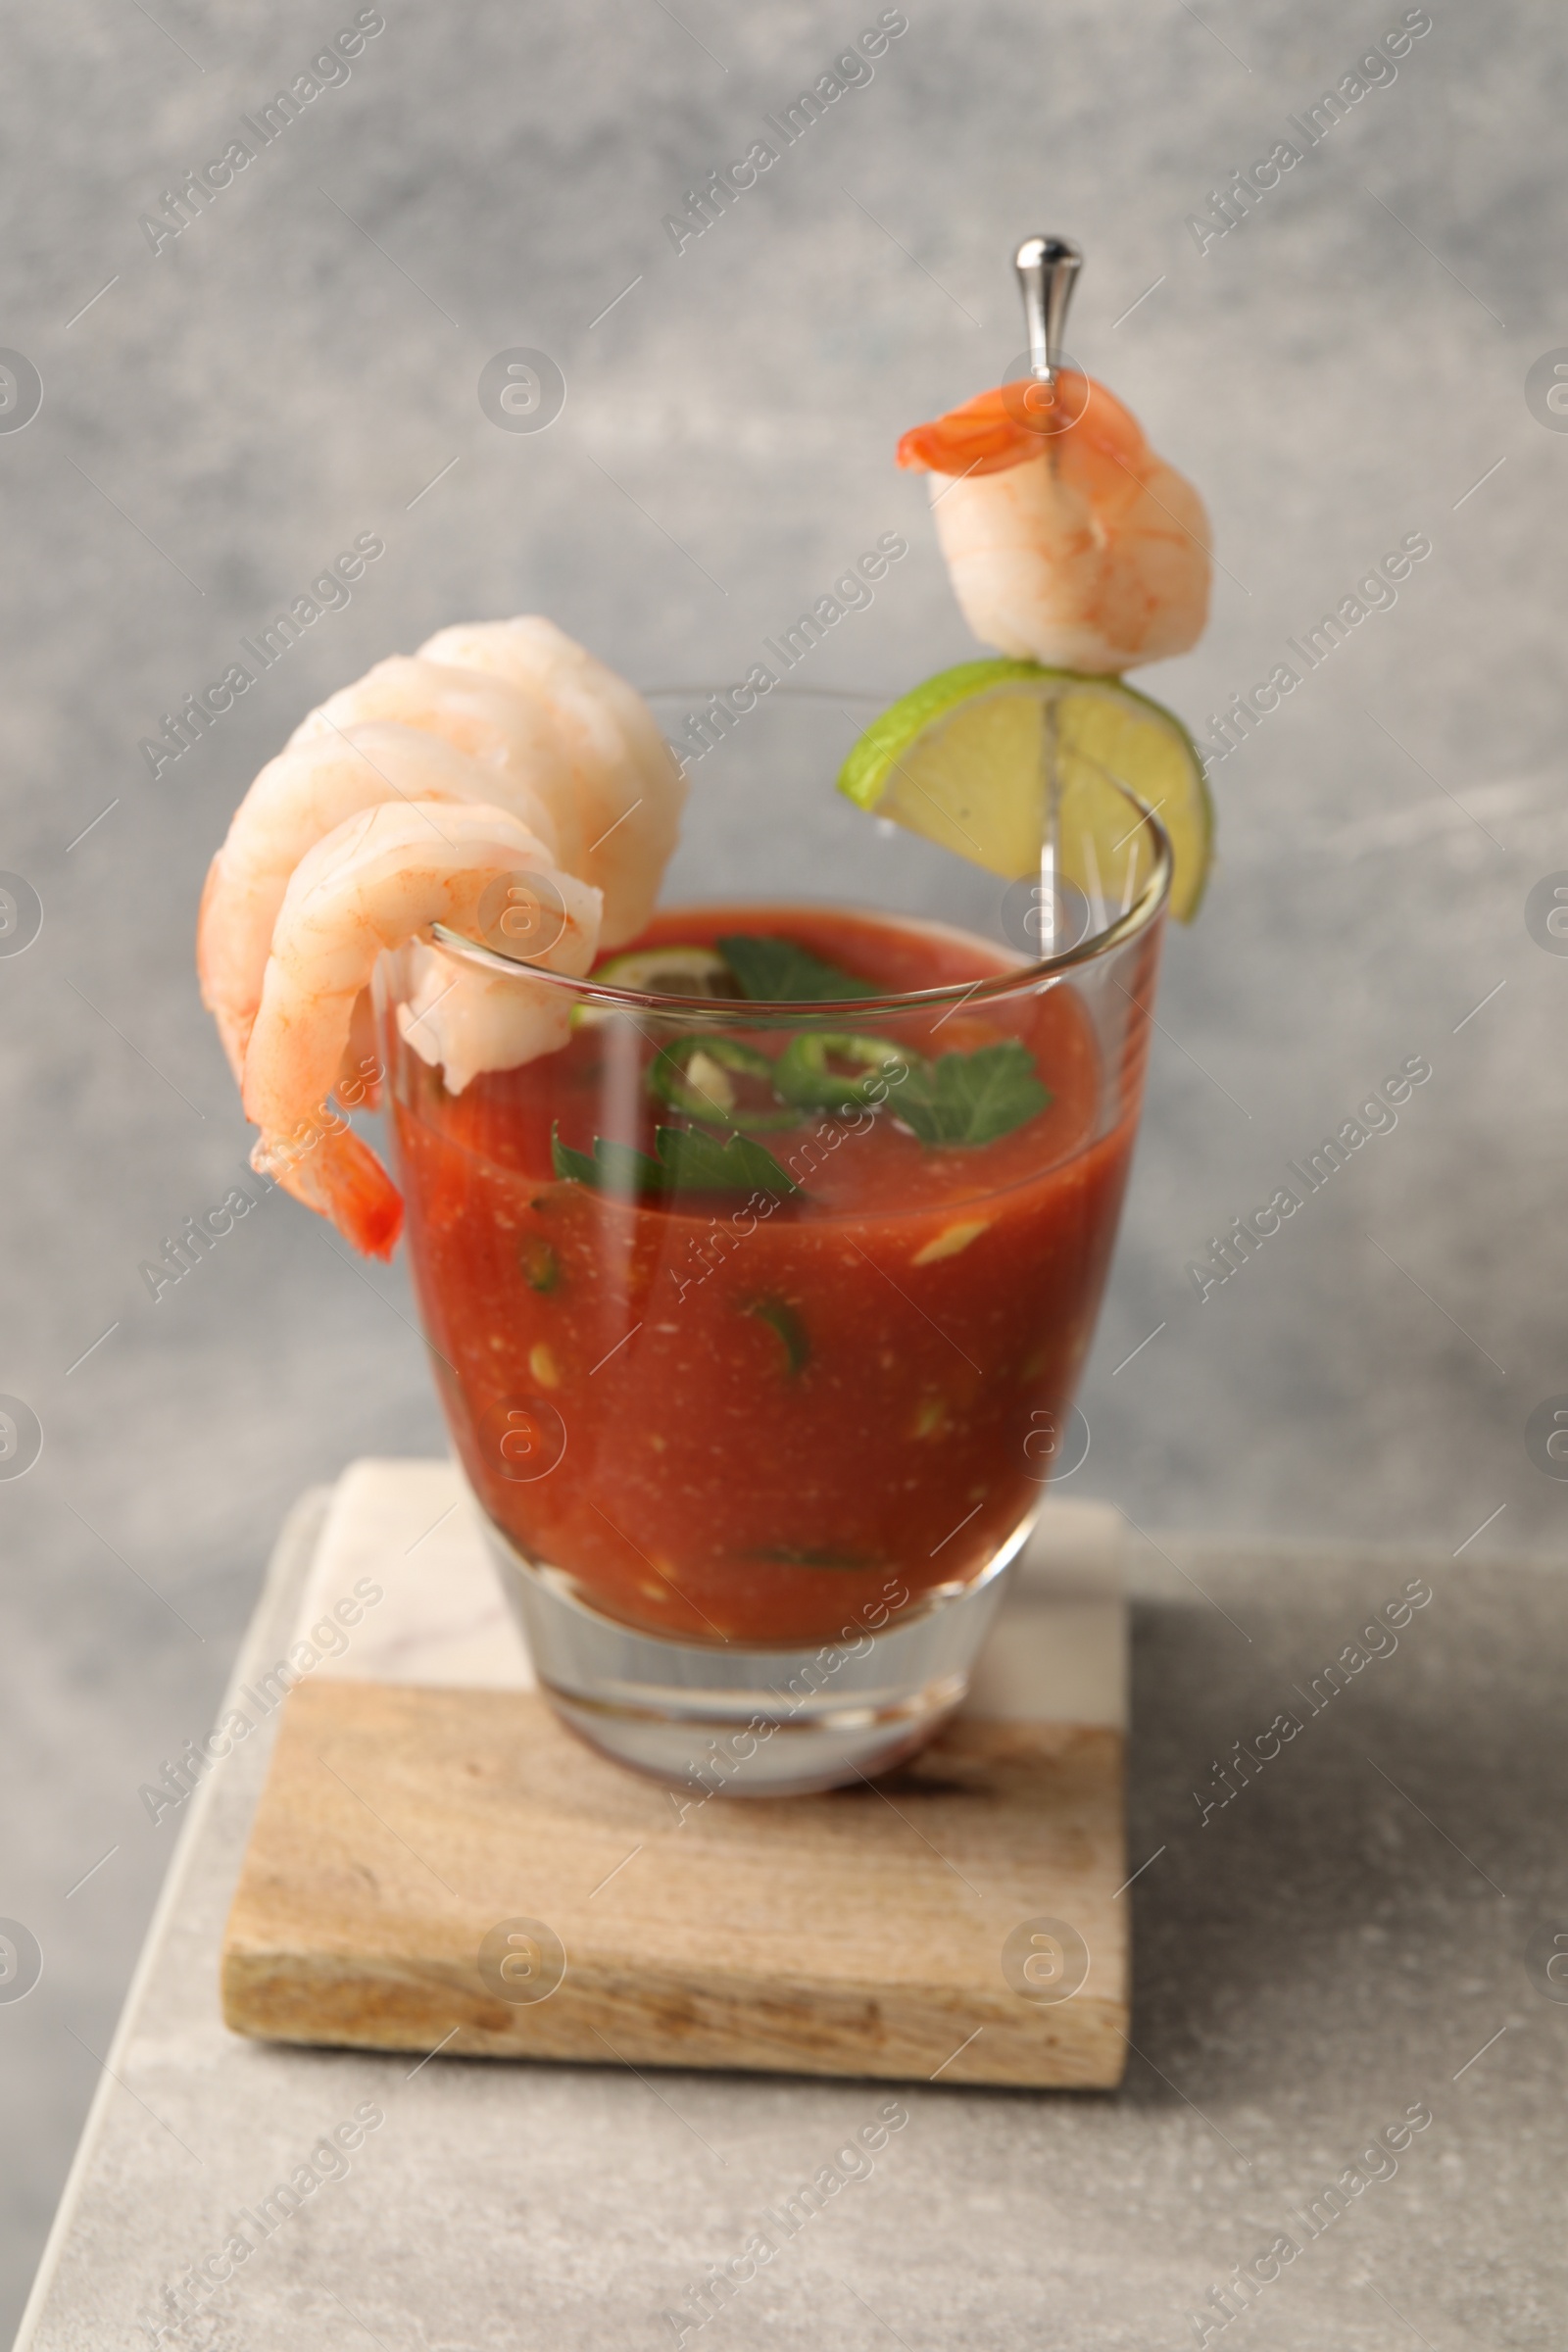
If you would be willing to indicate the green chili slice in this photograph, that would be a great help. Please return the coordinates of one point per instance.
(705, 1093)
(802, 1075)
(541, 1265)
(791, 1332)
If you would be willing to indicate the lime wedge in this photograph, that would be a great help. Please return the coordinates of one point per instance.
(671, 971)
(964, 761)
(675, 970)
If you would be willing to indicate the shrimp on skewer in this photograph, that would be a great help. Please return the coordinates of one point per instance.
(1067, 540)
(378, 881)
(299, 798)
(1077, 548)
(626, 780)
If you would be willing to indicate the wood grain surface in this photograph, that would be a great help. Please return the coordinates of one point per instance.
(859, 1932)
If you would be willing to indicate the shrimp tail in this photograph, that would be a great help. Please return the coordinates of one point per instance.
(340, 1177)
(986, 435)
(1007, 426)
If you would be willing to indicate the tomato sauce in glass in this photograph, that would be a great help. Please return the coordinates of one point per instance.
(729, 1417)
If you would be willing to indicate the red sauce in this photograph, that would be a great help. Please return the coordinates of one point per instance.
(725, 1421)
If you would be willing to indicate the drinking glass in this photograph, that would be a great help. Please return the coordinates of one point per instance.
(757, 1319)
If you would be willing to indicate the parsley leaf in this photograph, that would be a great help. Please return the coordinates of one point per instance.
(688, 1161)
(972, 1097)
(695, 1161)
(612, 1167)
(777, 969)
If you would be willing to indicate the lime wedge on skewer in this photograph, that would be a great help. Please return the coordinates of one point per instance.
(963, 759)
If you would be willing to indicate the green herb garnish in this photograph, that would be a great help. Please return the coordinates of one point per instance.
(687, 1161)
(777, 970)
(972, 1097)
(791, 1330)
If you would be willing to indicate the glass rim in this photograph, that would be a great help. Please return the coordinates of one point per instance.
(750, 1013)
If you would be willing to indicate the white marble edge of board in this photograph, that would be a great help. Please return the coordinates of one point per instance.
(402, 1555)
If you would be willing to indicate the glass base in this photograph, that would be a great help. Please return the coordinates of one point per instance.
(725, 1720)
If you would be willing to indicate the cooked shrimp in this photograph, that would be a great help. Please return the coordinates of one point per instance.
(375, 882)
(502, 745)
(465, 1022)
(626, 781)
(516, 735)
(1073, 546)
(299, 798)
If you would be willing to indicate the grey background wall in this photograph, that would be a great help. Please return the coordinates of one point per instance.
(301, 365)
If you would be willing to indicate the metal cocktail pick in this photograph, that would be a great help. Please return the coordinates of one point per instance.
(1047, 269)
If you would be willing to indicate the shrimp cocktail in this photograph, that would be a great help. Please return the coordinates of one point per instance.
(761, 1147)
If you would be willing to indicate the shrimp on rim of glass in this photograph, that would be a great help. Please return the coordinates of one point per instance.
(379, 880)
(501, 713)
(1068, 541)
(627, 783)
(298, 799)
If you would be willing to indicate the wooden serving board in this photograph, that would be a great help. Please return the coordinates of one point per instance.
(426, 1860)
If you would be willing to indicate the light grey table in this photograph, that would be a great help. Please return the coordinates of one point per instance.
(1352, 1938)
